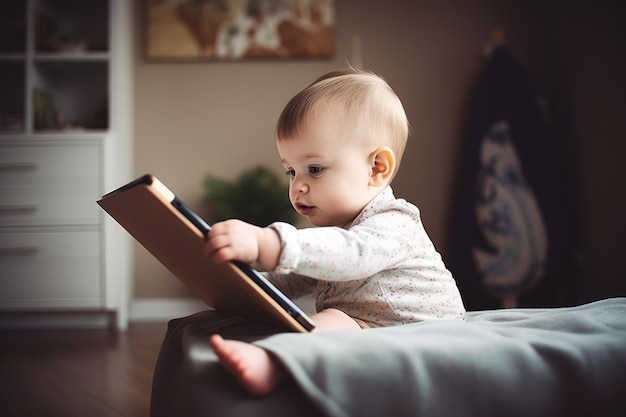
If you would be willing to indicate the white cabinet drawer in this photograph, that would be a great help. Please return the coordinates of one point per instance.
(50, 270)
(49, 184)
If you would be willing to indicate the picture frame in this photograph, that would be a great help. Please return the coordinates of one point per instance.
(238, 30)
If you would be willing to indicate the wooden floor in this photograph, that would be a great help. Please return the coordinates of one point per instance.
(78, 373)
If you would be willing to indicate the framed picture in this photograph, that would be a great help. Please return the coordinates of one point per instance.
(230, 30)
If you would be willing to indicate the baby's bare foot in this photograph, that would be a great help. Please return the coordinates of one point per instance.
(253, 366)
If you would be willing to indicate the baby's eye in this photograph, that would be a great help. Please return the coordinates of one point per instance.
(315, 170)
(290, 173)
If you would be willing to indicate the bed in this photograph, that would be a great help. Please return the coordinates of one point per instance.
(566, 361)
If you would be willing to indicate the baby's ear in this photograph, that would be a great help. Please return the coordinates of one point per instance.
(383, 166)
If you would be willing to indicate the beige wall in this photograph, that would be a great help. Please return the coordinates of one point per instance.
(192, 119)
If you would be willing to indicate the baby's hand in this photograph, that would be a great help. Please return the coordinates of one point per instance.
(232, 240)
(237, 240)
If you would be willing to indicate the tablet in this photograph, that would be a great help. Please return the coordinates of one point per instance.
(175, 235)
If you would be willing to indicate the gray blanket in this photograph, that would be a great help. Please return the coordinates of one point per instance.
(523, 362)
(526, 362)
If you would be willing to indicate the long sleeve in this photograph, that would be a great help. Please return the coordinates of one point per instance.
(372, 244)
(384, 269)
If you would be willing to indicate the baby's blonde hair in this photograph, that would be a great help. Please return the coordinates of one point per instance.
(366, 96)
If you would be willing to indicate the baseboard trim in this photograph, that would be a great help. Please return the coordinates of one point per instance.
(163, 309)
(57, 320)
(141, 310)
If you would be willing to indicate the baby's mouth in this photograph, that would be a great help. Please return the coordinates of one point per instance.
(304, 209)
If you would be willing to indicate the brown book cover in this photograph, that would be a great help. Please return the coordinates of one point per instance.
(174, 235)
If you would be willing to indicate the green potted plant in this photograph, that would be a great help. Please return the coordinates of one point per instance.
(257, 196)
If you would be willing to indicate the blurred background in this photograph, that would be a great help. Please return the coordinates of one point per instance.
(184, 119)
(194, 118)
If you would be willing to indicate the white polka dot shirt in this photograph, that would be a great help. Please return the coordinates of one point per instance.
(383, 269)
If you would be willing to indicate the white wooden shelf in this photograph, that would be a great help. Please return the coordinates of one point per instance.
(64, 140)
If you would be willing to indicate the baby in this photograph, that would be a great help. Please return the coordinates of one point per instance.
(369, 260)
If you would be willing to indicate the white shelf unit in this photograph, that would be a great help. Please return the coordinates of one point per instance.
(65, 139)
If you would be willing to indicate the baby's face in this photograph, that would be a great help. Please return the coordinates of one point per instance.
(329, 170)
